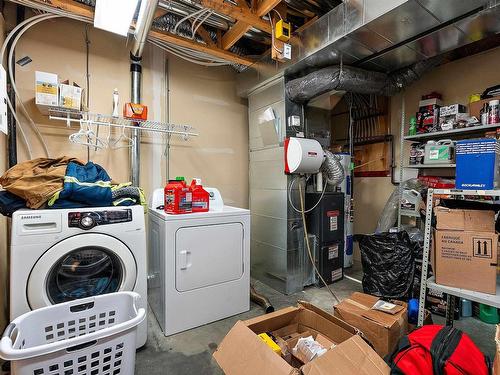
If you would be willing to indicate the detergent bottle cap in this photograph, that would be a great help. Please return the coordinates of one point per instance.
(179, 178)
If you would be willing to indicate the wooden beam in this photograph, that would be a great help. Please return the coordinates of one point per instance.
(239, 29)
(70, 6)
(265, 6)
(188, 43)
(86, 11)
(240, 13)
(160, 13)
(205, 36)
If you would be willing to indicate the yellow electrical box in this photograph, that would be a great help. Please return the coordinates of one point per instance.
(282, 31)
(269, 342)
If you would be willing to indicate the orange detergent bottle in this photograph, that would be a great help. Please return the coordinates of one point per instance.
(201, 198)
(178, 197)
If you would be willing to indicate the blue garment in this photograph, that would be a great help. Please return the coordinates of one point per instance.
(84, 186)
(9, 203)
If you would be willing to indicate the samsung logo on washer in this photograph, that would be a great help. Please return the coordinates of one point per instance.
(31, 217)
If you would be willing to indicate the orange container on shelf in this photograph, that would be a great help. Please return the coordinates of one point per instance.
(135, 111)
(178, 197)
(201, 198)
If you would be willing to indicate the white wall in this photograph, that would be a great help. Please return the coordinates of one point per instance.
(202, 97)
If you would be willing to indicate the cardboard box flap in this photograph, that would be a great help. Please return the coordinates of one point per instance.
(241, 352)
(328, 316)
(460, 219)
(352, 357)
(278, 319)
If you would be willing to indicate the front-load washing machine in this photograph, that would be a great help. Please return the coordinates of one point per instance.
(66, 254)
(199, 264)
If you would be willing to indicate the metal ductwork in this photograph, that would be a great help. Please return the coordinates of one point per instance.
(143, 24)
(356, 80)
(382, 36)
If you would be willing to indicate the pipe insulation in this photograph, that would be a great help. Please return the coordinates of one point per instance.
(356, 80)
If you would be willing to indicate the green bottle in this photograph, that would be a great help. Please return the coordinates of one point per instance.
(413, 126)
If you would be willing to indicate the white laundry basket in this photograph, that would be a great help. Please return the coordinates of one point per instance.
(91, 336)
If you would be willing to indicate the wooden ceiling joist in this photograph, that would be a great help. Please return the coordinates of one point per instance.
(239, 29)
(240, 13)
(209, 48)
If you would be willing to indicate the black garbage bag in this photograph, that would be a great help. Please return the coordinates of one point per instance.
(388, 261)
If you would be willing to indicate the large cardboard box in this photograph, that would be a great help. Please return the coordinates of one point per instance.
(242, 352)
(466, 249)
(382, 329)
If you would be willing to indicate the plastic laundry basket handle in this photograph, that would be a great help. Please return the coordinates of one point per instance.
(8, 352)
(8, 331)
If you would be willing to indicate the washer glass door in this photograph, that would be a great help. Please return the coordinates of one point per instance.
(81, 266)
(84, 272)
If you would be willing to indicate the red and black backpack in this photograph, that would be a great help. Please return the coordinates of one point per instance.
(438, 350)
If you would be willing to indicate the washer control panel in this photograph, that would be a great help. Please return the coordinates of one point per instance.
(89, 219)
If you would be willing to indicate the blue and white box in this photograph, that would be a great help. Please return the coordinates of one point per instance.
(477, 163)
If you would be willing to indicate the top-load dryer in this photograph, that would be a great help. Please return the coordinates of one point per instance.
(199, 268)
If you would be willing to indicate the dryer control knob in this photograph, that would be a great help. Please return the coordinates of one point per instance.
(87, 222)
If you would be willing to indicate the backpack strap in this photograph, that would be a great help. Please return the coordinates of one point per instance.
(404, 343)
(442, 347)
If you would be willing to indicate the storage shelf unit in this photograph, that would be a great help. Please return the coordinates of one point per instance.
(487, 299)
(72, 116)
(491, 300)
(472, 129)
(430, 166)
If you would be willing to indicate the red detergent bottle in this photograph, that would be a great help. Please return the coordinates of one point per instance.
(178, 197)
(201, 198)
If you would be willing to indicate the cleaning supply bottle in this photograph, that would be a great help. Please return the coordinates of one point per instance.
(178, 197)
(201, 198)
(413, 126)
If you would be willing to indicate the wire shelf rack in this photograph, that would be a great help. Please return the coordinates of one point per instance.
(79, 117)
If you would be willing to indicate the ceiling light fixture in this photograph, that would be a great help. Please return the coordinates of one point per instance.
(115, 15)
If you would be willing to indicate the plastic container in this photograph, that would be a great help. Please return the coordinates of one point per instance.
(440, 152)
(465, 308)
(488, 314)
(91, 336)
(494, 112)
(178, 197)
(201, 198)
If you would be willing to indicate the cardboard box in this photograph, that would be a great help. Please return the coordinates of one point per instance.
(382, 329)
(70, 96)
(477, 164)
(241, 352)
(46, 90)
(466, 249)
(475, 107)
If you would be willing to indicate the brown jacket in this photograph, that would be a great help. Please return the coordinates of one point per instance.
(36, 180)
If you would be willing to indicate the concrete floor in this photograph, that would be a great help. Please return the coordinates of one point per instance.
(190, 352)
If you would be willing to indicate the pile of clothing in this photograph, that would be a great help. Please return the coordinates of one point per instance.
(63, 183)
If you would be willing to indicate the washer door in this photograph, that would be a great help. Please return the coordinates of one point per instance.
(81, 266)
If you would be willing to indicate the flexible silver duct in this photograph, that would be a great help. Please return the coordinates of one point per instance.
(356, 80)
(332, 169)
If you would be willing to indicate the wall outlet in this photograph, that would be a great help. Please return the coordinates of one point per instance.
(294, 121)
(287, 51)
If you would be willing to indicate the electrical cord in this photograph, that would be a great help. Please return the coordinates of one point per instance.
(290, 187)
(9, 103)
(308, 246)
(12, 80)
